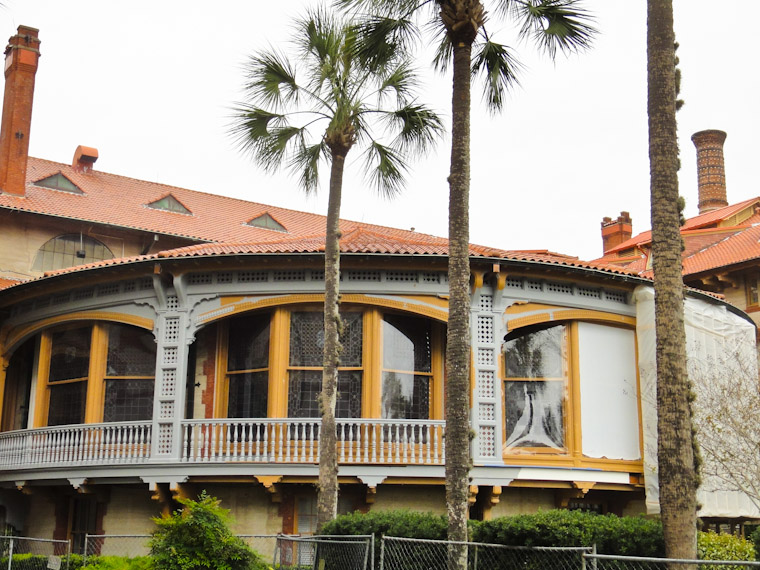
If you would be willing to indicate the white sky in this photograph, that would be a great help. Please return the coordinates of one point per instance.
(149, 83)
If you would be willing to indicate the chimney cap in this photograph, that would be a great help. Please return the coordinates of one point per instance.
(84, 158)
(701, 136)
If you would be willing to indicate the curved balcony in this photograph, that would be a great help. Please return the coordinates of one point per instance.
(265, 441)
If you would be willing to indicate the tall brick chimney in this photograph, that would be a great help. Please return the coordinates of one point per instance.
(711, 170)
(21, 58)
(616, 232)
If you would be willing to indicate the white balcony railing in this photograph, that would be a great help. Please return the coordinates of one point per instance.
(110, 443)
(360, 441)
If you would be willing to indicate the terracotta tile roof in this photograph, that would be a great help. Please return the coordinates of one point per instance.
(707, 220)
(122, 201)
(4, 282)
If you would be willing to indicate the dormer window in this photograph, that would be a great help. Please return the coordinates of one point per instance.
(267, 222)
(170, 204)
(59, 182)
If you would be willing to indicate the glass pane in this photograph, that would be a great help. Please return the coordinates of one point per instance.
(306, 385)
(70, 354)
(248, 345)
(67, 404)
(538, 354)
(131, 352)
(534, 414)
(128, 400)
(405, 396)
(406, 343)
(307, 339)
(248, 395)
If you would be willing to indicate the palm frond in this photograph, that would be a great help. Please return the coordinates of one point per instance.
(251, 124)
(382, 39)
(555, 24)
(304, 163)
(400, 80)
(385, 168)
(418, 127)
(496, 64)
(271, 80)
(444, 53)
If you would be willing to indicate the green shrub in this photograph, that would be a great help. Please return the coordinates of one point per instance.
(118, 563)
(627, 536)
(403, 523)
(755, 538)
(198, 537)
(713, 546)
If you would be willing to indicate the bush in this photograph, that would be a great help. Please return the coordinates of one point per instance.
(198, 537)
(627, 536)
(118, 563)
(712, 546)
(403, 523)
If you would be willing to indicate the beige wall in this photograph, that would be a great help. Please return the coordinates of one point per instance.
(23, 234)
(40, 522)
(130, 510)
(424, 498)
(250, 505)
(523, 501)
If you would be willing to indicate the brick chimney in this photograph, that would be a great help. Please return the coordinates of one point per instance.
(21, 58)
(616, 232)
(711, 170)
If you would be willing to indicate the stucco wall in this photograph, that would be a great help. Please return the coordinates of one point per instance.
(41, 520)
(523, 501)
(430, 498)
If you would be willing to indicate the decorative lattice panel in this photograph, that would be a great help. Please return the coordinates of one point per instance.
(401, 276)
(290, 275)
(354, 275)
(166, 410)
(485, 303)
(487, 412)
(617, 296)
(252, 276)
(170, 355)
(171, 330)
(84, 294)
(485, 383)
(485, 357)
(224, 278)
(172, 302)
(168, 383)
(165, 439)
(589, 293)
(200, 279)
(105, 290)
(565, 288)
(485, 329)
(487, 440)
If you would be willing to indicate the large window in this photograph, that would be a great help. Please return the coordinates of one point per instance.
(270, 364)
(407, 367)
(248, 366)
(535, 388)
(307, 340)
(100, 372)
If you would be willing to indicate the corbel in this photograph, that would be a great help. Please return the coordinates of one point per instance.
(179, 280)
(177, 490)
(583, 486)
(495, 495)
(472, 497)
(270, 483)
(23, 487)
(477, 279)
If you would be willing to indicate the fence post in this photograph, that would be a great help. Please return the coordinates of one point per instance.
(475, 558)
(593, 560)
(382, 551)
(10, 554)
(86, 549)
(372, 551)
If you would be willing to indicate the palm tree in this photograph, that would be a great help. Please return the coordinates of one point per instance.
(676, 473)
(468, 48)
(295, 124)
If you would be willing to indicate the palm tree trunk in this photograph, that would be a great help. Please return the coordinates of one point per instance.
(327, 500)
(458, 335)
(675, 452)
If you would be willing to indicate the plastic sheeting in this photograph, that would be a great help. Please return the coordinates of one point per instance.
(712, 335)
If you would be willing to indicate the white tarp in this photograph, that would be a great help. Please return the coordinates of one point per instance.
(609, 395)
(714, 337)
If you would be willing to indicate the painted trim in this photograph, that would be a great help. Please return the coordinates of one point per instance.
(570, 315)
(317, 298)
(15, 335)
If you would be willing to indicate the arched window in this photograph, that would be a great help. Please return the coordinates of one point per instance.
(93, 373)
(70, 250)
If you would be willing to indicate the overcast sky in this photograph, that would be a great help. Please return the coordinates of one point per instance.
(149, 83)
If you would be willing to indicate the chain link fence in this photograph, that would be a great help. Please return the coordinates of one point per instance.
(323, 552)
(22, 553)
(417, 554)
(607, 562)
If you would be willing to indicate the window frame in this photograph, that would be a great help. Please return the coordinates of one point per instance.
(371, 368)
(95, 381)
